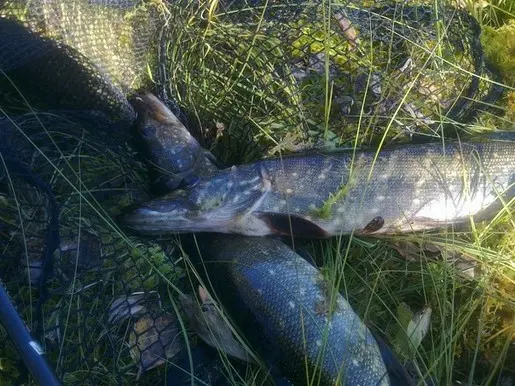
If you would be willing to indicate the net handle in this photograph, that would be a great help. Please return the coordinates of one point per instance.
(29, 349)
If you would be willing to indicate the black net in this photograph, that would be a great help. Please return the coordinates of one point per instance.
(263, 77)
(119, 37)
(287, 74)
(41, 73)
(92, 297)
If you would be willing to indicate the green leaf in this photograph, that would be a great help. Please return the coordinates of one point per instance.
(413, 328)
(418, 327)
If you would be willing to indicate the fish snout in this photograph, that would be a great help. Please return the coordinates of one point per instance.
(148, 104)
(159, 216)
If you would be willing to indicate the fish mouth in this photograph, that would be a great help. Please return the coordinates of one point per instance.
(161, 216)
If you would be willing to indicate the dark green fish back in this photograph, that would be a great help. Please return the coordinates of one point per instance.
(289, 298)
(40, 73)
(117, 36)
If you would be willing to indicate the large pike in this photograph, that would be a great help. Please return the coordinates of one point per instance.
(302, 322)
(275, 295)
(405, 188)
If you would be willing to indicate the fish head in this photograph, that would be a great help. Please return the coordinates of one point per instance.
(212, 205)
(160, 129)
(148, 105)
(173, 152)
(174, 209)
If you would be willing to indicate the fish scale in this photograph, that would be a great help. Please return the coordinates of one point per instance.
(281, 291)
(406, 188)
(284, 293)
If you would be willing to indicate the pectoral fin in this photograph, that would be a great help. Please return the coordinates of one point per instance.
(285, 224)
(373, 226)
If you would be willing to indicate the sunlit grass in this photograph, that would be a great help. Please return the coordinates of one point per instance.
(472, 321)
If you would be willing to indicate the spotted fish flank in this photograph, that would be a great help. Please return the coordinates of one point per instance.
(408, 188)
(285, 296)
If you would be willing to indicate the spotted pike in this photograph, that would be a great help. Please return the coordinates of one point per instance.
(350, 354)
(275, 295)
(405, 188)
(176, 155)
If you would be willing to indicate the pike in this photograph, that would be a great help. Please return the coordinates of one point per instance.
(400, 189)
(249, 268)
(283, 305)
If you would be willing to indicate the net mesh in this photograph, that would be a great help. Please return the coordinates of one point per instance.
(41, 73)
(262, 77)
(254, 80)
(89, 294)
(320, 76)
(119, 37)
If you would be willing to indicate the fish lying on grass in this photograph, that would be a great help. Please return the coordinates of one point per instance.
(272, 293)
(353, 355)
(175, 154)
(407, 188)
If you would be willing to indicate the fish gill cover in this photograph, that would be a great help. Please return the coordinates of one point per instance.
(255, 78)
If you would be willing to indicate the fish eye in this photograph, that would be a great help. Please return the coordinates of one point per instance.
(148, 131)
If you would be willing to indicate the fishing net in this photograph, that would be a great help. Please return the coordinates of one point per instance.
(89, 295)
(314, 74)
(254, 79)
(260, 77)
(41, 73)
(119, 37)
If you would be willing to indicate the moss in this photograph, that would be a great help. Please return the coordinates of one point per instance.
(493, 13)
(311, 39)
(499, 47)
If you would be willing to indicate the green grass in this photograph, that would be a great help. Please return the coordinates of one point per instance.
(229, 78)
(472, 325)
